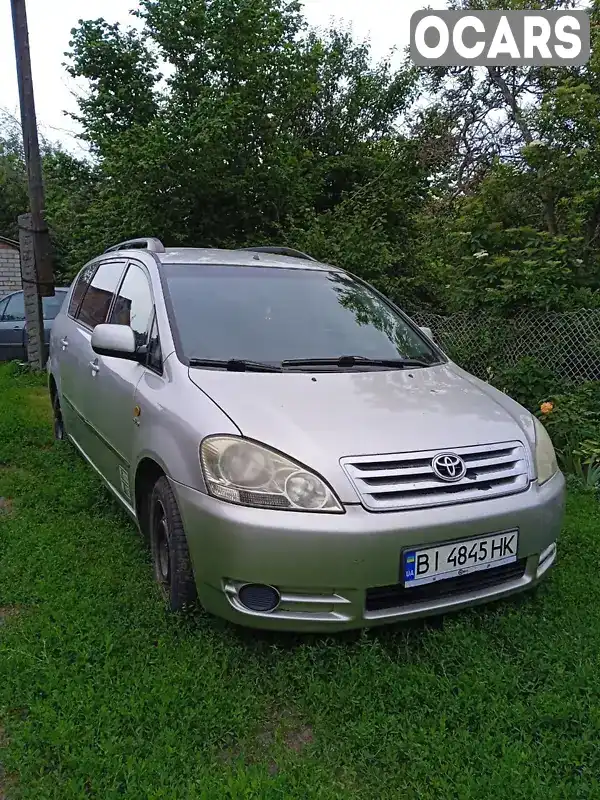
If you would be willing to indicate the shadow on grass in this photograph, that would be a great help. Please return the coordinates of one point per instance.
(412, 633)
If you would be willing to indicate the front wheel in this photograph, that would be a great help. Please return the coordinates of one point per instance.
(170, 554)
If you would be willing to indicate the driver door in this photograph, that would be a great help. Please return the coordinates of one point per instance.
(113, 381)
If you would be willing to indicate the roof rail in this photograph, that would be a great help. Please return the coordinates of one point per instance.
(280, 251)
(148, 243)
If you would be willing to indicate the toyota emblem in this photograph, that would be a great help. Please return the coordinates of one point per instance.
(449, 467)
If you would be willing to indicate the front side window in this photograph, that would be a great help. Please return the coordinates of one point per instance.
(133, 304)
(154, 361)
(15, 309)
(98, 297)
(272, 315)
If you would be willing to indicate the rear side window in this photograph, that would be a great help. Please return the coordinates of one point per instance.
(99, 294)
(83, 281)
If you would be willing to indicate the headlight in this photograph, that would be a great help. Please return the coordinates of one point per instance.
(546, 465)
(247, 473)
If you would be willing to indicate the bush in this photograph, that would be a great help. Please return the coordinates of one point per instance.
(527, 382)
(573, 421)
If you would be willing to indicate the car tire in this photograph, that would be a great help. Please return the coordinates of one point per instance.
(170, 553)
(59, 430)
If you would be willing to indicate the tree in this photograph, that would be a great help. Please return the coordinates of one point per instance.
(231, 123)
(13, 177)
(70, 184)
(261, 130)
(517, 208)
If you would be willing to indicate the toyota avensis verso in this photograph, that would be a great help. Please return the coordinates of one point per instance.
(298, 453)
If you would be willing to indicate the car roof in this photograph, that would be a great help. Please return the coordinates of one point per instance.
(237, 258)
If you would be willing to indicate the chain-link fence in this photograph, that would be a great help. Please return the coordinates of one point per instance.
(567, 344)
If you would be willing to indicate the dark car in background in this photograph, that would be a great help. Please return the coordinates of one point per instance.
(13, 338)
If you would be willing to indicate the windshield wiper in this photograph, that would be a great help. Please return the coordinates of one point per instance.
(341, 362)
(355, 361)
(234, 365)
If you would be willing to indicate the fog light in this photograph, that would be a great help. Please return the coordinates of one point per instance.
(258, 597)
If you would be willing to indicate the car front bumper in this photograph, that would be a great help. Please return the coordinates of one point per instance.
(342, 571)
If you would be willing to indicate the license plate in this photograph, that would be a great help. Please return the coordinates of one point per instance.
(459, 558)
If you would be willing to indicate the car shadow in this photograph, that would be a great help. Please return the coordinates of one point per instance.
(411, 632)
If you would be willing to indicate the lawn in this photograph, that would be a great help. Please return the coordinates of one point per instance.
(103, 694)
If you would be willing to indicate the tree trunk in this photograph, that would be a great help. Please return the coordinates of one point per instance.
(549, 201)
(591, 231)
(511, 101)
(547, 195)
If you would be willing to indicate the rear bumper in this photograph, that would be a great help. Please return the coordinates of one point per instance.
(327, 566)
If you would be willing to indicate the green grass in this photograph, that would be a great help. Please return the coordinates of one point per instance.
(103, 694)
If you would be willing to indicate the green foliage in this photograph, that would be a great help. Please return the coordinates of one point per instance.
(370, 231)
(121, 71)
(574, 425)
(585, 465)
(13, 178)
(527, 382)
(520, 200)
(230, 122)
(262, 131)
(589, 452)
(592, 476)
(69, 185)
(70, 189)
(520, 268)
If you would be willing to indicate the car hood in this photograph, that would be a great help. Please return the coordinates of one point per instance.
(319, 418)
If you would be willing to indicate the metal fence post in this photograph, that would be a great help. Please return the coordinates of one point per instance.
(34, 320)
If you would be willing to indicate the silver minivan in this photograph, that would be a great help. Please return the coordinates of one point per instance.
(297, 452)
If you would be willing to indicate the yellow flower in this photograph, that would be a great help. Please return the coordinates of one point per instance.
(547, 408)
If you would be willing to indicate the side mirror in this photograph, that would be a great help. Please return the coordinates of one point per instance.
(117, 341)
(428, 332)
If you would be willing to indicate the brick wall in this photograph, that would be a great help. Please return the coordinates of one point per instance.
(10, 269)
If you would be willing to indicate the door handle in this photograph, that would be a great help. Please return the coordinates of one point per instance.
(64, 343)
(95, 367)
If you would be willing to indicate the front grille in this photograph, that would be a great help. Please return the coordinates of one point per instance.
(407, 480)
(385, 597)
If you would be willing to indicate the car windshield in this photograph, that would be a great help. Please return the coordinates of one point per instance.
(270, 315)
